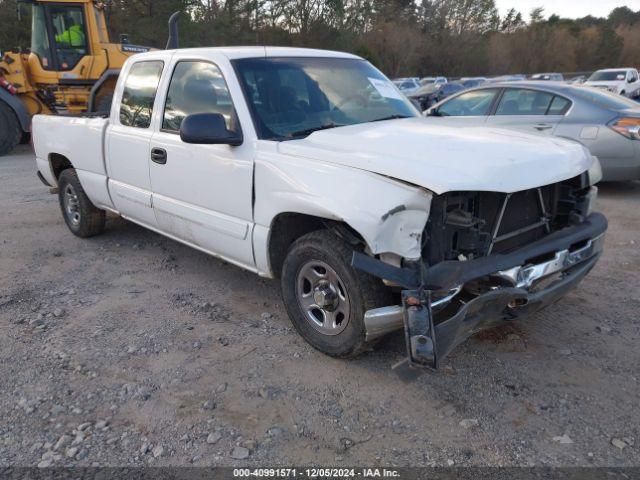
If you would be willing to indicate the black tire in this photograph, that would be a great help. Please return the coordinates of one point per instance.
(83, 218)
(10, 129)
(364, 293)
(104, 103)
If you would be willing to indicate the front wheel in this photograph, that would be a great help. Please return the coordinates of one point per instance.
(81, 216)
(326, 298)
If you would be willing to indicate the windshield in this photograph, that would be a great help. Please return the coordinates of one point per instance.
(608, 76)
(39, 38)
(604, 98)
(69, 35)
(67, 28)
(293, 97)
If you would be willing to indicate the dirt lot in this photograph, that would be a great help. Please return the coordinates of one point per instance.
(131, 349)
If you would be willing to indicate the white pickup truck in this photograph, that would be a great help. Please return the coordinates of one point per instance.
(623, 81)
(310, 166)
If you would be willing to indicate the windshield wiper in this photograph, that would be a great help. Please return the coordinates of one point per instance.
(309, 131)
(390, 117)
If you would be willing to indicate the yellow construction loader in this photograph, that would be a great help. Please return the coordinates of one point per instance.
(71, 67)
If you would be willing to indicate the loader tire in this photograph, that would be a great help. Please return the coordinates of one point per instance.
(10, 130)
(82, 217)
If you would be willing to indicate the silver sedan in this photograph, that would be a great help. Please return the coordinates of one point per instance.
(607, 124)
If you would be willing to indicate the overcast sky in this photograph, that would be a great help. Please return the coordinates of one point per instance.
(567, 8)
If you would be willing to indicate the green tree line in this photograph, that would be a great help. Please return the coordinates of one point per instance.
(401, 37)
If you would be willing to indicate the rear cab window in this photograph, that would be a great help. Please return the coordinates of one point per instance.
(139, 94)
(197, 87)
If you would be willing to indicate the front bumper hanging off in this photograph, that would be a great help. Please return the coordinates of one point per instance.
(569, 254)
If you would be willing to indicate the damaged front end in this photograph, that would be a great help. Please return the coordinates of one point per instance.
(488, 258)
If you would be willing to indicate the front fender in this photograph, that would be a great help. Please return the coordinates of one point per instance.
(389, 215)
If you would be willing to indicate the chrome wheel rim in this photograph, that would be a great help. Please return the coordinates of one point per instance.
(323, 298)
(71, 205)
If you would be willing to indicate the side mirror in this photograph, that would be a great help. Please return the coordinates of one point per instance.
(208, 129)
(632, 80)
(432, 112)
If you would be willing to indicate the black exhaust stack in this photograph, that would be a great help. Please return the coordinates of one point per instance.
(174, 42)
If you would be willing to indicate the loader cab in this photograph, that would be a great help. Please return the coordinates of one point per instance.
(59, 35)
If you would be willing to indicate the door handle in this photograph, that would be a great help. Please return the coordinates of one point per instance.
(159, 155)
(543, 126)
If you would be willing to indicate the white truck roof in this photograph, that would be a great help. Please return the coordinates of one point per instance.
(615, 69)
(255, 52)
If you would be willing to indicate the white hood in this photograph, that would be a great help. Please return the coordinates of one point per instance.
(611, 83)
(443, 159)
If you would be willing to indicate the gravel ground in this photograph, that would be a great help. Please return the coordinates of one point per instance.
(132, 349)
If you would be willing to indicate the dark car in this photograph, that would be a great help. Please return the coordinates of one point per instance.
(473, 82)
(431, 94)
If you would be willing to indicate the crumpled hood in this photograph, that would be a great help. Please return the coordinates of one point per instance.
(442, 158)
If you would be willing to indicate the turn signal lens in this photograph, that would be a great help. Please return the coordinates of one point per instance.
(628, 127)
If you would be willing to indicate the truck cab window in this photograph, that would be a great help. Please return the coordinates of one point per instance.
(196, 87)
(139, 94)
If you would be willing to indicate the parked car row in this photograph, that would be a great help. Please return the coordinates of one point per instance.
(622, 81)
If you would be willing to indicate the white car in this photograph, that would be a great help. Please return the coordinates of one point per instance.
(407, 85)
(433, 80)
(623, 81)
(310, 167)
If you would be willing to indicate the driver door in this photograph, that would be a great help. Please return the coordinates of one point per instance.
(202, 194)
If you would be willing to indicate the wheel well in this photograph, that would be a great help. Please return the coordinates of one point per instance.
(286, 228)
(58, 164)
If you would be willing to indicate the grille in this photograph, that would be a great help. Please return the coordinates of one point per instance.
(473, 224)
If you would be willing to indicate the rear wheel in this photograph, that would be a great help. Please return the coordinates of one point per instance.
(81, 216)
(10, 130)
(326, 298)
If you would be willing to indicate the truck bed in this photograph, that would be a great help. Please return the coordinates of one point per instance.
(81, 141)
